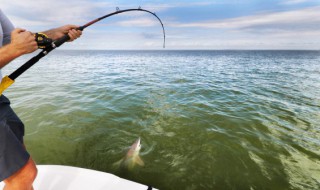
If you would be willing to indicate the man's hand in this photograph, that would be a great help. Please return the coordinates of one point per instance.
(63, 30)
(22, 42)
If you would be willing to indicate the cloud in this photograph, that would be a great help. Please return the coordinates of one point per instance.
(139, 22)
(291, 2)
(298, 20)
(53, 13)
(298, 29)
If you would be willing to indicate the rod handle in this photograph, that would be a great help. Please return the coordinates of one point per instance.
(65, 38)
(61, 40)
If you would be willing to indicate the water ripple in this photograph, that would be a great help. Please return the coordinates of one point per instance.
(207, 119)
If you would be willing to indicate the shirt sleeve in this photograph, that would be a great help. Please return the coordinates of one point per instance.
(7, 27)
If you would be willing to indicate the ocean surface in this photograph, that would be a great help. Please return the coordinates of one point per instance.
(208, 120)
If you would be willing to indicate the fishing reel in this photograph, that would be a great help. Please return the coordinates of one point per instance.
(42, 40)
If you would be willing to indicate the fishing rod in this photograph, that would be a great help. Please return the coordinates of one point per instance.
(48, 45)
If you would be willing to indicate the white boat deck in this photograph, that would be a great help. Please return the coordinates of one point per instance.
(55, 177)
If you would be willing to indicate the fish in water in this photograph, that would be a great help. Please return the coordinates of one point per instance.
(132, 157)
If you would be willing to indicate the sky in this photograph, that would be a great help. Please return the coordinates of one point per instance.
(189, 24)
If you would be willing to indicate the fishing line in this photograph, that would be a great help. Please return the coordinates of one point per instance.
(47, 45)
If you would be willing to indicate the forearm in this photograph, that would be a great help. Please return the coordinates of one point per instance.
(51, 34)
(57, 33)
(7, 54)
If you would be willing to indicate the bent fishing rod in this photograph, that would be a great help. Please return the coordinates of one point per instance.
(47, 45)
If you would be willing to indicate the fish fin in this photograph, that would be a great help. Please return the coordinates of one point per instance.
(118, 163)
(139, 161)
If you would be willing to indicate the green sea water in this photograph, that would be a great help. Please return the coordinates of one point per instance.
(246, 120)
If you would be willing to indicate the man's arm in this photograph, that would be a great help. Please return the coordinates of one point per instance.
(7, 54)
(57, 33)
(22, 42)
